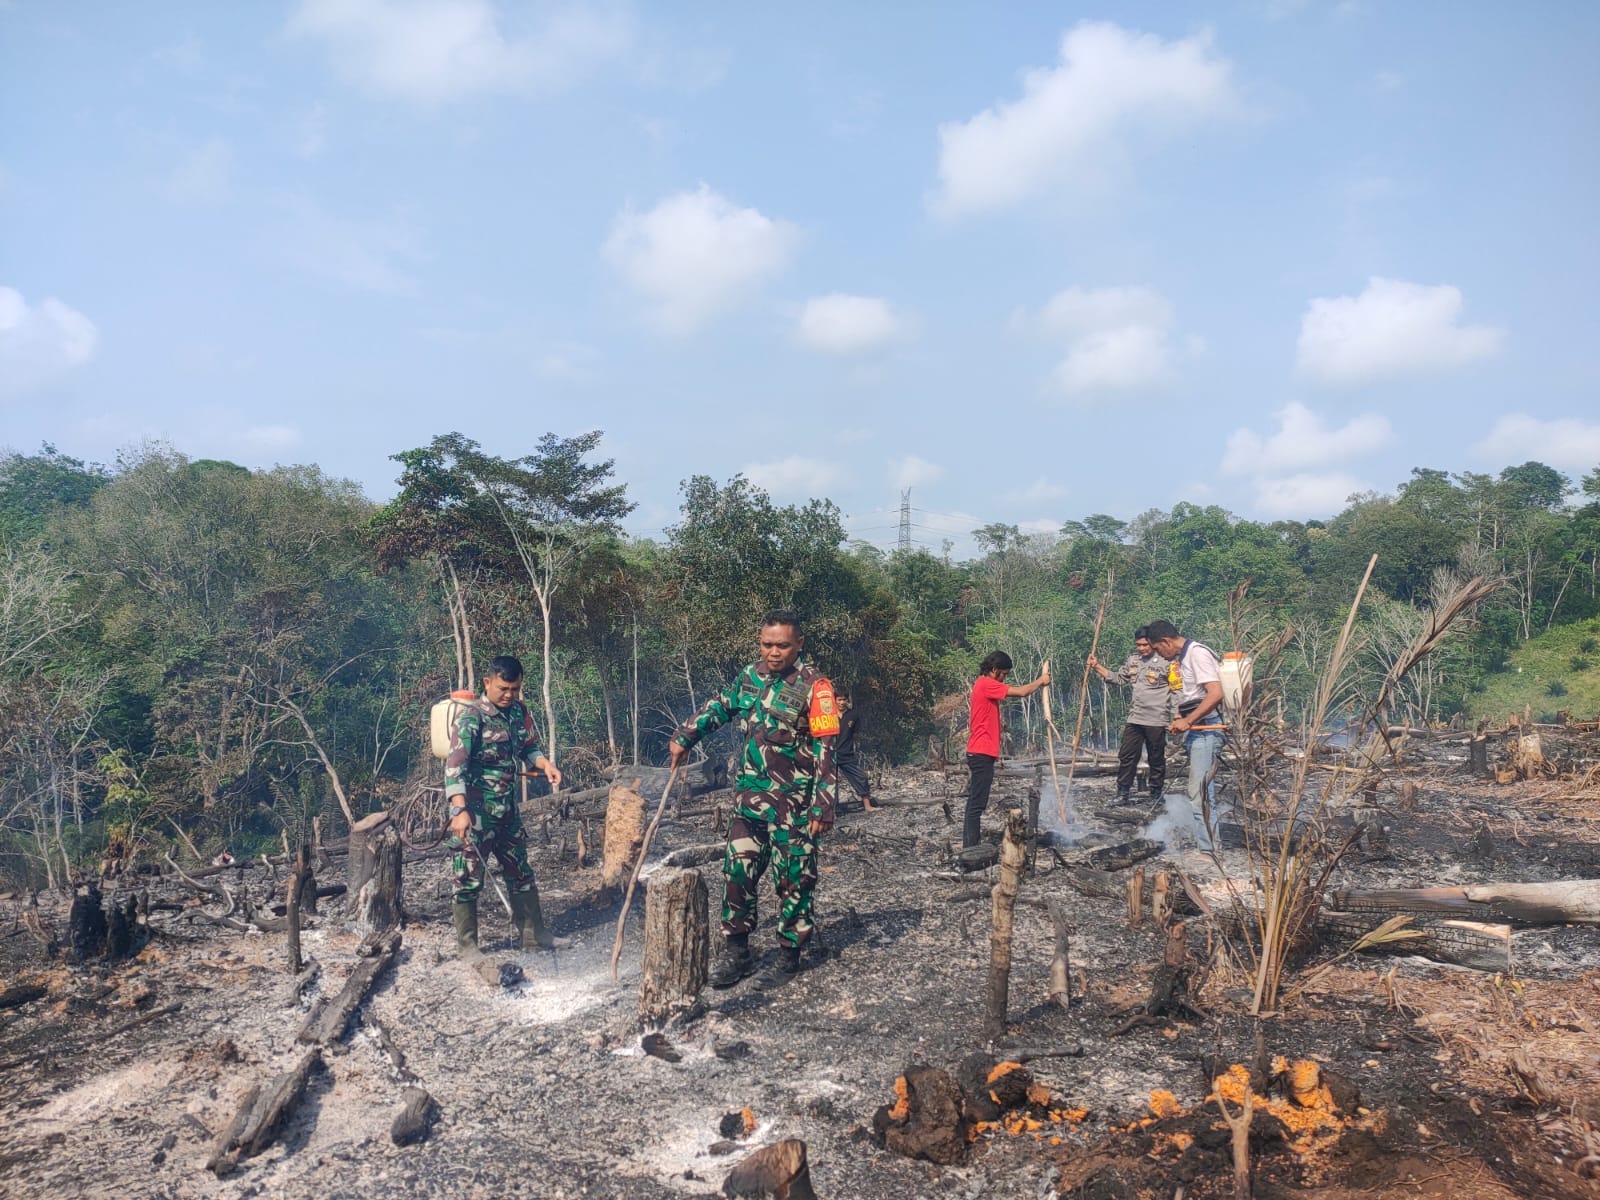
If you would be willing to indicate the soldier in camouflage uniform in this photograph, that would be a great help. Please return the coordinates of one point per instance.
(786, 793)
(491, 741)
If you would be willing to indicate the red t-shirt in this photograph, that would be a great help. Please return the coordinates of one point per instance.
(984, 721)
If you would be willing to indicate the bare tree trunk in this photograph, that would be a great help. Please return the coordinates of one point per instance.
(611, 725)
(633, 715)
(543, 593)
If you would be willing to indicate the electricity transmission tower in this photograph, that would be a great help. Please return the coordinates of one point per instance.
(905, 519)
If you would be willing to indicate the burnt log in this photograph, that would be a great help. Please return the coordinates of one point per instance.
(693, 856)
(411, 1124)
(1013, 858)
(1568, 902)
(372, 874)
(677, 944)
(261, 1114)
(329, 1018)
(779, 1171)
(707, 775)
(22, 993)
(1120, 858)
(1475, 944)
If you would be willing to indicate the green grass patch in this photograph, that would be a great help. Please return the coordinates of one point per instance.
(1545, 676)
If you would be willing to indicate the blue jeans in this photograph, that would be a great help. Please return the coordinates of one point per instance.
(1204, 749)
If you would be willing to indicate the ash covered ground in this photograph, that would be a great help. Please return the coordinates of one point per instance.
(545, 1090)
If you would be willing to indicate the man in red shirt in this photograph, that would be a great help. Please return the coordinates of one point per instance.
(983, 742)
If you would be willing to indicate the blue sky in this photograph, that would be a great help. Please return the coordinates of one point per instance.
(1033, 261)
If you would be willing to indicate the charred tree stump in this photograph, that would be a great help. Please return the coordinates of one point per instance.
(1478, 755)
(1408, 796)
(779, 1171)
(261, 1114)
(1013, 856)
(677, 944)
(931, 1117)
(411, 1124)
(1060, 991)
(328, 1020)
(1161, 900)
(1136, 897)
(86, 925)
(624, 836)
(1169, 986)
(373, 874)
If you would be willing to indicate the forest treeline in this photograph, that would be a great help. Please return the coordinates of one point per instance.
(193, 653)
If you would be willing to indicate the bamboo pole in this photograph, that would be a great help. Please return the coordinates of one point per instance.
(644, 849)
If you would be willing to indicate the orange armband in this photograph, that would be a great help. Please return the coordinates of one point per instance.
(824, 710)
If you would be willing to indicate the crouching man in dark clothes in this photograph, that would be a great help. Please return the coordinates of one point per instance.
(786, 794)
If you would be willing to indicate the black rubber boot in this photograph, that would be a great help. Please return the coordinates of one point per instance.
(1124, 797)
(780, 969)
(529, 918)
(735, 964)
(465, 919)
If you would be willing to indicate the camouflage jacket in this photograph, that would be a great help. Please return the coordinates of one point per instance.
(789, 724)
(488, 747)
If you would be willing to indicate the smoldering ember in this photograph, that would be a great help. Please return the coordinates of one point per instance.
(1385, 982)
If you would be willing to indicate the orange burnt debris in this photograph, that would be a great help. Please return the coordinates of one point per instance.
(902, 1100)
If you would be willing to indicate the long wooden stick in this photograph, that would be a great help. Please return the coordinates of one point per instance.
(644, 848)
(1050, 747)
(1083, 699)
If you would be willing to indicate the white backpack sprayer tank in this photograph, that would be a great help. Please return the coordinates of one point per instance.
(1235, 674)
(442, 719)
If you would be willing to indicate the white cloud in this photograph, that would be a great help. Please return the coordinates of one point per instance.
(1565, 442)
(1303, 442)
(40, 343)
(912, 471)
(1394, 328)
(1040, 525)
(1306, 494)
(204, 175)
(1117, 338)
(843, 324)
(1037, 492)
(794, 478)
(694, 254)
(1110, 82)
(368, 255)
(441, 50)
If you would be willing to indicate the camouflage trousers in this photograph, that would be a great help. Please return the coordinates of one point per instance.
(768, 828)
(502, 836)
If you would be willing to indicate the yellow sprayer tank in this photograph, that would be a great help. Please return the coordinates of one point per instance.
(1235, 672)
(442, 719)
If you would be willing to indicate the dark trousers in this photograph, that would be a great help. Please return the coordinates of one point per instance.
(1151, 738)
(853, 773)
(982, 768)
